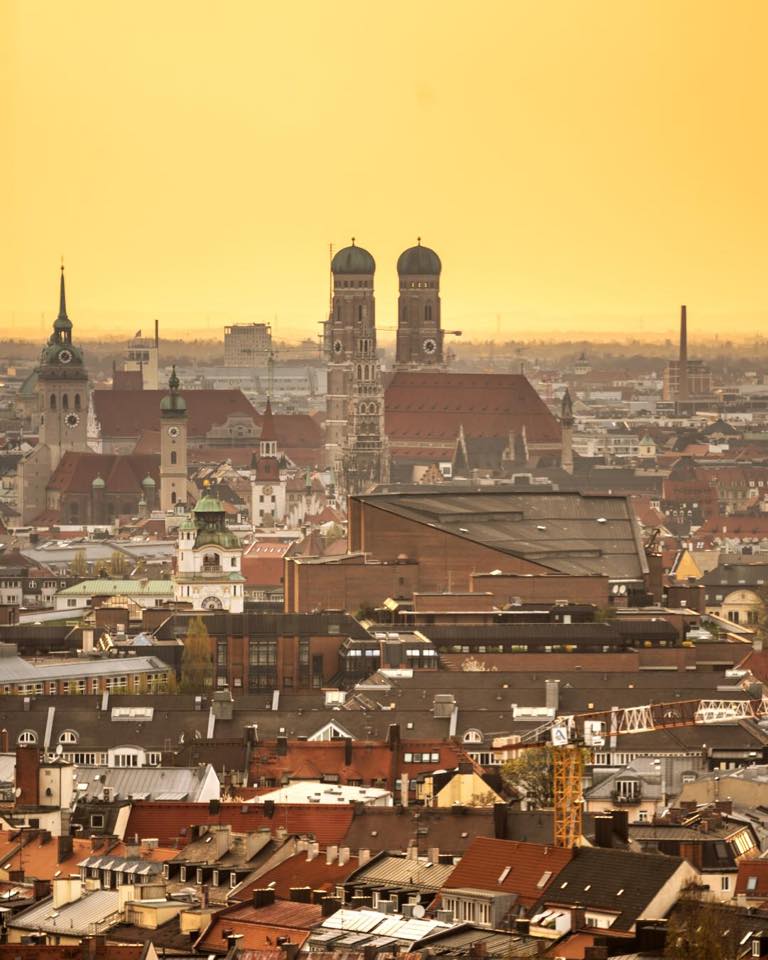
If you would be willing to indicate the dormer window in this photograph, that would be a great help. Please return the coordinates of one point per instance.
(68, 737)
(27, 738)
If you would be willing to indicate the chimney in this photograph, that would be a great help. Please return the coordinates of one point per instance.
(66, 890)
(331, 852)
(621, 824)
(28, 776)
(552, 694)
(363, 856)
(343, 856)
(347, 751)
(4, 740)
(313, 850)
(65, 847)
(393, 736)
(404, 789)
(604, 831)
(433, 855)
(682, 381)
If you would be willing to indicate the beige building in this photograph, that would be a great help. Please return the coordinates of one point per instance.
(246, 344)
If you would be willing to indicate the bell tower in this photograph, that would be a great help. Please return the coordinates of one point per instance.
(62, 389)
(419, 328)
(173, 447)
(355, 442)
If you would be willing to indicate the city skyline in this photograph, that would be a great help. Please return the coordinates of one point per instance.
(621, 176)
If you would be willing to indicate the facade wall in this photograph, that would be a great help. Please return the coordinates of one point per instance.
(546, 589)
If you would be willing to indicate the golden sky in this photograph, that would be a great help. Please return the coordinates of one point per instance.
(581, 167)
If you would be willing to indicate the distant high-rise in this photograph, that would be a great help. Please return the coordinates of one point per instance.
(419, 329)
(684, 379)
(144, 356)
(247, 344)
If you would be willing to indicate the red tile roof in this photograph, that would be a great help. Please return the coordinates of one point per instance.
(128, 413)
(433, 406)
(263, 565)
(532, 867)
(261, 926)
(298, 871)
(121, 473)
(757, 869)
(170, 821)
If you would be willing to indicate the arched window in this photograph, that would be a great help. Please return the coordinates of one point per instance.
(53, 401)
(428, 313)
(173, 496)
(68, 736)
(173, 456)
(472, 736)
(359, 372)
(27, 737)
(77, 401)
(65, 402)
(360, 313)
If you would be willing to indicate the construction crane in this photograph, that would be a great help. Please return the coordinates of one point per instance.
(573, 737)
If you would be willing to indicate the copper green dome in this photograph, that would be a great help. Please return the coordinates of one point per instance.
(98, 482)
(419, 261)
(173, 404)
(353, 259)
(148, 481)
(208, 504)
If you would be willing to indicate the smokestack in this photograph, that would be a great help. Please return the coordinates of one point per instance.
(157, 332)
(682, 377)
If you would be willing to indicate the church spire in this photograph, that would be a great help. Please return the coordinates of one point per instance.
(62, 296)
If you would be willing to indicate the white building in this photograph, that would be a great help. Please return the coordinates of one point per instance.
(209, 568)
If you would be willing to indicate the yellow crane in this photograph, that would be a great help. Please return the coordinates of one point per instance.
(573, 737)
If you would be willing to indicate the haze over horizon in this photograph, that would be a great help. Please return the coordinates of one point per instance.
(198, 169)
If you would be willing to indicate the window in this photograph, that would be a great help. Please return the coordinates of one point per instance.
(97, 821)
(751, 884)
(642, 816)
(725, 883)
(53, 401)
(68, 736)
(27, 737)
(65, 402)
(472, 736)
(77, 401)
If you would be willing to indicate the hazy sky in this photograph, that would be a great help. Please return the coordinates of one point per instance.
(579, 166)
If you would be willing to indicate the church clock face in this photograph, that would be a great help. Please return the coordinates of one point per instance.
(173, 432)
(267, 491)
(211, 603)
(338, 346)
(65, 356)
(71, 420)
(429, 345)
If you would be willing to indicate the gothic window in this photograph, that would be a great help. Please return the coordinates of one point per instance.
(360, 313)
(173, 456)
(428, 313)
(359, 372)
(173, 496)
(362, 408)
(53, 401)
(65, 402)
(367, 372)
(77, 401)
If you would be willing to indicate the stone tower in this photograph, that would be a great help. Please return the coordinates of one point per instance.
(62, 389)
(61, 415)
(419, 330)
(356, 447)
(566, 424)
(173, 447)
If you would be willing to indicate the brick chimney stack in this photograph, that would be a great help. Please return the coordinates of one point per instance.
(28, 776)
(682, 381)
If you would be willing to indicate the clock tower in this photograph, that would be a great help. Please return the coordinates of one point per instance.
(62, 412)
(209, 560)
(173, 447)
(62, 389)
(419, 328)
(268, 494)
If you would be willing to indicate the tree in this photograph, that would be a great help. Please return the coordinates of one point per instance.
(197, 659)
(78, 565)
(531, 775)
(118, 564)
(701, 929)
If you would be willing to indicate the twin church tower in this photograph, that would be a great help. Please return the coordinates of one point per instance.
(356, 443)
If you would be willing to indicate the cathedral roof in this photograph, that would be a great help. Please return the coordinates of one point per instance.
(79, 472)
(353, 259)
(417, 261)
(426, 407)
(129, 413)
